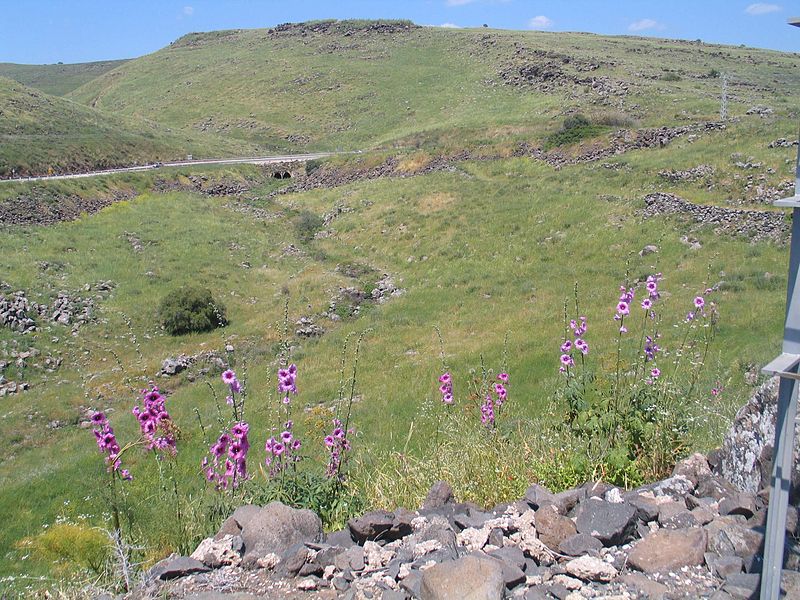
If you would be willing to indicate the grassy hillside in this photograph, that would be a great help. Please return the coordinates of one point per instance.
(355, 84)
(57, 80)
(43, 134)
(486, 235)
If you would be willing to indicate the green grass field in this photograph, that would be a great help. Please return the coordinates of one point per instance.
(486, 250)
(59, 79)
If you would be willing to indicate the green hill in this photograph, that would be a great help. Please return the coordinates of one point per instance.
(359, 84)
(42, 134)
(58, 79)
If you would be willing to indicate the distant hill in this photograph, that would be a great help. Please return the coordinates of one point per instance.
(356, 84)
(329, 85)
(59, 79)
(40, 133)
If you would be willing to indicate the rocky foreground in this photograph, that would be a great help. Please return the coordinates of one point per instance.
(693, 535)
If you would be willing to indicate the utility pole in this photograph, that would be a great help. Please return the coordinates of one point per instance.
(786, 366)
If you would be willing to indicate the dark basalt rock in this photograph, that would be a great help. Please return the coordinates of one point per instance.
(611, 523)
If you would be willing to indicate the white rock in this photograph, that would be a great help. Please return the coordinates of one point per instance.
(568, 582)
(590, 568)
(473, 539)
(376, 557)
(269, 561)
(218, 552)
(308, 584)
(426, 547)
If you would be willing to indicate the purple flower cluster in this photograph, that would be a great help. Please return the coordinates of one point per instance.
(283, 451)
(446, 388)
(651, 285)
(286, 382)
(229, 378)
(651, 347)
(699, 304)
(626, 297)
(491, 405)
(155, 423)
(228, 464)
(337, 444)
(108, 445)
(577, 343)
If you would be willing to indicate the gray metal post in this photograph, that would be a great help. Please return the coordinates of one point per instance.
(786, 367)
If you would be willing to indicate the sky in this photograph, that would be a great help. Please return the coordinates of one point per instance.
(50, 31)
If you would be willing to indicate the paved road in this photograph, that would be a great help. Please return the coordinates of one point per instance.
(254, 160)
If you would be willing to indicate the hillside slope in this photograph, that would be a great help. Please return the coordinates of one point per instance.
(59, 79)
(40, 133)
(330, 84)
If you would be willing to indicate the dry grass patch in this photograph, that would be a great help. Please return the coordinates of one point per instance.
(414, 162)
(436, 202)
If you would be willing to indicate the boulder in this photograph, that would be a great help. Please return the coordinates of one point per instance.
(276, 527)
(723, 566)
(740, 504)
(440, 494)
(728, 537)
(668, 550)
(652, 590)
(746, 457)
(381, 525)
(537, 496)
(176, 566)
(715, 487)
(553, 528)
(590, 568)
(579, 544)
(216, 552)
(610, 522)
(694, 468)
(468, 578)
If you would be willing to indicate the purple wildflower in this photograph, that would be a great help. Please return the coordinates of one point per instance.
(108, 445)
(155, 423)
(234, 446)
(338, 445)
(446, 389)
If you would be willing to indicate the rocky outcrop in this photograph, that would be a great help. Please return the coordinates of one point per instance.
(39, 207)
(693, 174)
(746, 457)
(756, 225)
(678, 538)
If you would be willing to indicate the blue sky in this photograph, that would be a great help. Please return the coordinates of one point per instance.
(48, 31)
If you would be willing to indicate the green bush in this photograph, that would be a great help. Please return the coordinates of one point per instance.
(575, 121)
(190, 309)
(306, 224)
(575, 128)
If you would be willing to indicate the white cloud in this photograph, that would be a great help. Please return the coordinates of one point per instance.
(540, 22)
(188, 10)
(761, 8)
(459, 2)
(644, 24)
(450, 26)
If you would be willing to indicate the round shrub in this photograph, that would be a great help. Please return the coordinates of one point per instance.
(190, 309)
